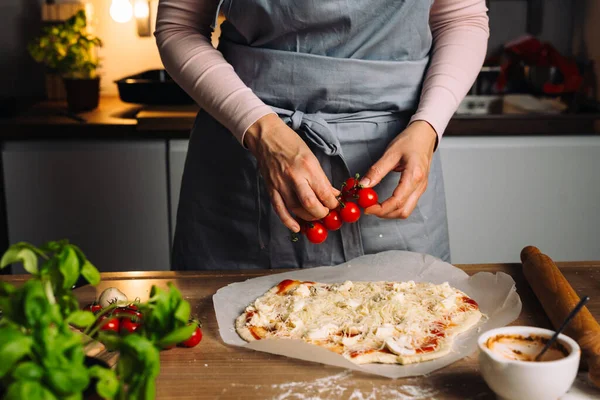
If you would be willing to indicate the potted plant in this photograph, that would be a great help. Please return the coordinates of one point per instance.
(42, 351)
(69, 50)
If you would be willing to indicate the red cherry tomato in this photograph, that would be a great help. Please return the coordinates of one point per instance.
(110, 324)
(367, 197)
(349, 189)
(194, 339)
(332, 221)
(132, 307)
(350, 184)
(93, 307)
(128, 325)
(349, 212)
(316, 232)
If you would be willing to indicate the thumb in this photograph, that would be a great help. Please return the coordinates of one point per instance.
(379, 170)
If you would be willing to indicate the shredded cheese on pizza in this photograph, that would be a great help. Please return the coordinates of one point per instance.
(355, 318)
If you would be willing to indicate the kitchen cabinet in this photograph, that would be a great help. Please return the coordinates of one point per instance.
(108, 197)
(504, 193)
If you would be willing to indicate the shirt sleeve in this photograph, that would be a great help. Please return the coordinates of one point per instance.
(460, 30)
(183, 32)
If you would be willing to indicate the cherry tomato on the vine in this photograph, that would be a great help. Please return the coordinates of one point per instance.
(367, 197)
(93, 307)
(128, 325)
(110, 324)
(349, 212)
(349, 189)
(193, 340)
(333, 221)
(316, 232)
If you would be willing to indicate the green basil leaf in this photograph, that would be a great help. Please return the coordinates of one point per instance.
(68, 303)
(69, 267)
(6, 289)
(30, 390)
(108, 384)
(67, 380)
(177, 336)
(17, 253)
(14, 345)
(28, 371)
(182, 313)
(150, 392)
(35, 303)
(110, 340)
(53, 246)
(81, 319)
(90, 273)
(144, 353)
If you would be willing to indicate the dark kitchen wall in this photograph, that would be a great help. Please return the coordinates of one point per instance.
(19, 23)
(508, 21)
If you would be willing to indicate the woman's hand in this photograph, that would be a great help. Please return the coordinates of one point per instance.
(295, 180)
(409, 153)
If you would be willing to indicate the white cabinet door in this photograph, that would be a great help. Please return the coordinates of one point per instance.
(177, 154)
(504, 193)
(110, 198)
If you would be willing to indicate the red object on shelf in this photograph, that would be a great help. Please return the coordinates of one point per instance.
(532, 52)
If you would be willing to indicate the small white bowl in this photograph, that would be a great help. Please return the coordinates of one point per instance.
(528, 380)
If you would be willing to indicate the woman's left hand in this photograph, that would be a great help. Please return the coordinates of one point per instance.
(409, 153)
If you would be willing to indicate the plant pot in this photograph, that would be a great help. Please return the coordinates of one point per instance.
(82, 94)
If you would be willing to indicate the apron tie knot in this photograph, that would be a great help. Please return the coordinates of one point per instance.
(296, 120)
(314, 129)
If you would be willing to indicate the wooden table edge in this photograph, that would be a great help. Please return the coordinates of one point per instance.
(128, 275)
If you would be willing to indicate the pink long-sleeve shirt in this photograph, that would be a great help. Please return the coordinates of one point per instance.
(183, 32)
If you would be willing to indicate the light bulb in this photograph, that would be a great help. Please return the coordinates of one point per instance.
(141, 9)
(121, 10)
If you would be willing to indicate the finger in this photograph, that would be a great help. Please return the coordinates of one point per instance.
(309, 201)
(325, 193)
(282, 212)
(293, 204)
(410, 180)
(408, 207)
(303, 214)
(379, 170)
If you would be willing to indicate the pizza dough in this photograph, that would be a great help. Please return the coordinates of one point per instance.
(366, 322)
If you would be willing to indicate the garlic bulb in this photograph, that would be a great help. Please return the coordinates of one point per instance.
(111, 296)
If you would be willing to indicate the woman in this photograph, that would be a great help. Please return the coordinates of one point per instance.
(301, 95)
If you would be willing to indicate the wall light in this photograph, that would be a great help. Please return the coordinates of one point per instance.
(121, 10)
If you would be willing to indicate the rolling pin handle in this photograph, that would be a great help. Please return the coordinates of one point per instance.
(528, 252)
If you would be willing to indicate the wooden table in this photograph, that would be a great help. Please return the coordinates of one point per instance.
(214, 370)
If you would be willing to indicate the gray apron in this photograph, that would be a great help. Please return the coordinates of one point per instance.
(346, 76)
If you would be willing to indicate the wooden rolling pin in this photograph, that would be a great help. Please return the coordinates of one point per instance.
(558, 299)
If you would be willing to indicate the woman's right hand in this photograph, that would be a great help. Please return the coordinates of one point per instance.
(295, 180)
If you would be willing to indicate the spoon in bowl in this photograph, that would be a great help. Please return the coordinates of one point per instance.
(572, 314)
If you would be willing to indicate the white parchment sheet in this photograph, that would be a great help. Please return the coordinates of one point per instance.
(495, 293)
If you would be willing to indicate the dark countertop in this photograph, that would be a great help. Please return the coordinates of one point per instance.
(114, 119)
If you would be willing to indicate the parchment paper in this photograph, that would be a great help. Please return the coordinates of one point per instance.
(495, 293)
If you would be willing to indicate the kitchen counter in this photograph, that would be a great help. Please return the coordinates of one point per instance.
(115, 119)
(215, 370)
